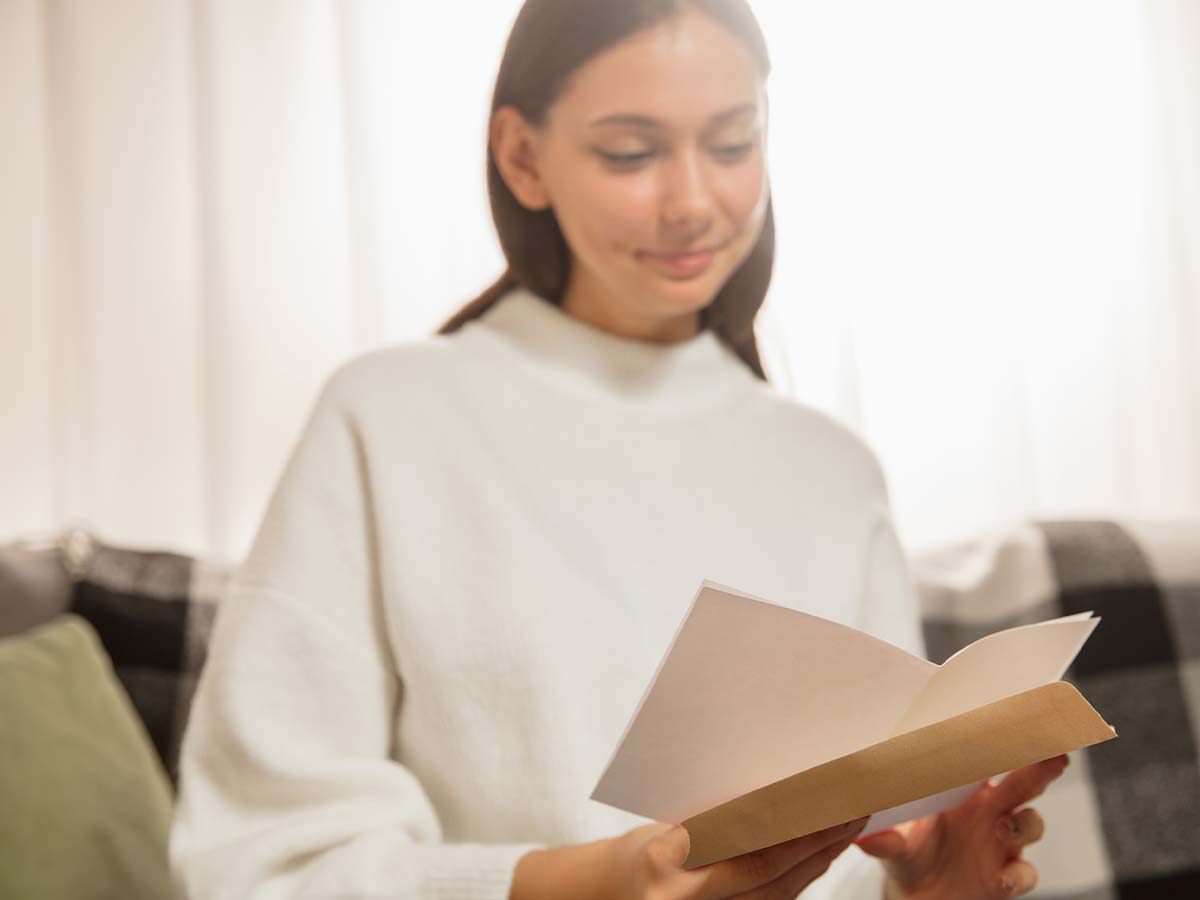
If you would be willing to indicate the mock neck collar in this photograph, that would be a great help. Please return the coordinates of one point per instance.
(697, 373)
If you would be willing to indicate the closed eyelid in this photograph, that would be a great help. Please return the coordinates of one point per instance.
(630, 161)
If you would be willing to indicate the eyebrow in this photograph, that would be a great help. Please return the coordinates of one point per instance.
(649, 122)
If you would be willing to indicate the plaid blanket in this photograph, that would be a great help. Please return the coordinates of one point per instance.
(154, 612)
(1124, 820)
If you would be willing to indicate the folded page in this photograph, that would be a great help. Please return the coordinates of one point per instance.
(999, 665)
(749, 692)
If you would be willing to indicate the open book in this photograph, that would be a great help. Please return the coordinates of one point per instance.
(764, 723)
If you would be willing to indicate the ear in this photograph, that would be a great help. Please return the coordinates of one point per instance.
(514, 146)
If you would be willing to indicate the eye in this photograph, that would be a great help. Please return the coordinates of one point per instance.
(735, 151)
(625, 160)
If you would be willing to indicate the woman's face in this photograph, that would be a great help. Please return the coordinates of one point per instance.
(653, 159)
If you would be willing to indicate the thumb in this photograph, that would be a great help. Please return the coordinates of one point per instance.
(886, 844)
(679, 842)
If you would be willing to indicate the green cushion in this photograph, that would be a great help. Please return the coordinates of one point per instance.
(85, 806)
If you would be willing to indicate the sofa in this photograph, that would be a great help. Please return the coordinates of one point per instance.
(101, 647)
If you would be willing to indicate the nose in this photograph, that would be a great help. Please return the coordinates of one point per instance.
(687, 202)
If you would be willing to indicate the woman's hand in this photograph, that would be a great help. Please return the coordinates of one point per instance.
(647, 864)
(649, 860)
(970, 852)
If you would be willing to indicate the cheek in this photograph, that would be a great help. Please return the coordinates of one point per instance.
(744, 194)
(609, 213)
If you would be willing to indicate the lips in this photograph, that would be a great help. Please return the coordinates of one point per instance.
(684, 264)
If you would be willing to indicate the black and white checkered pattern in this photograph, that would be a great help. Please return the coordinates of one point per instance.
(153, 611)
(1123, 822)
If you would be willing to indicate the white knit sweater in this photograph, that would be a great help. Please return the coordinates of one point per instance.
(466, 576)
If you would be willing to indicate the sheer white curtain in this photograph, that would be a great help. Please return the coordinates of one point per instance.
(207, 206)
(990, 261)
(987, 259)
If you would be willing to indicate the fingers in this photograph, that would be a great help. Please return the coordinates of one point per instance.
(1017, 830)
(1016, 878)
(799, 877)
(886, 844)
(1023, 784)
(750, 871)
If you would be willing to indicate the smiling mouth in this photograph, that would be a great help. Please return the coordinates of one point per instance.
(683, 254)
(682, 265)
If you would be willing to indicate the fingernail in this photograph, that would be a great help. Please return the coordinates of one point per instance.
(1006, 885)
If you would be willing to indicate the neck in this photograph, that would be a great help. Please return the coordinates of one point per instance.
(586, 300)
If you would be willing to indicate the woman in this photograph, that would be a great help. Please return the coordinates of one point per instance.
(484, 540)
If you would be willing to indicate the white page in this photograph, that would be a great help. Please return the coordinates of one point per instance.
(918, 809)
(750, 692)
(1000, 665)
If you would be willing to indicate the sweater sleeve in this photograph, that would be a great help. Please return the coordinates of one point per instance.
(890, 607)
(288, 784)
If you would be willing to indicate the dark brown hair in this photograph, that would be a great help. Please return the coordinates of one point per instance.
(550, 39)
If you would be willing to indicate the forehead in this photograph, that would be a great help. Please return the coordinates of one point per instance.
(681, 71)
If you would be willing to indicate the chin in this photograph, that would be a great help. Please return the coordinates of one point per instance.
(688, 295)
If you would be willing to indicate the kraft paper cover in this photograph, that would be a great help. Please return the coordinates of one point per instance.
(964, 749)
